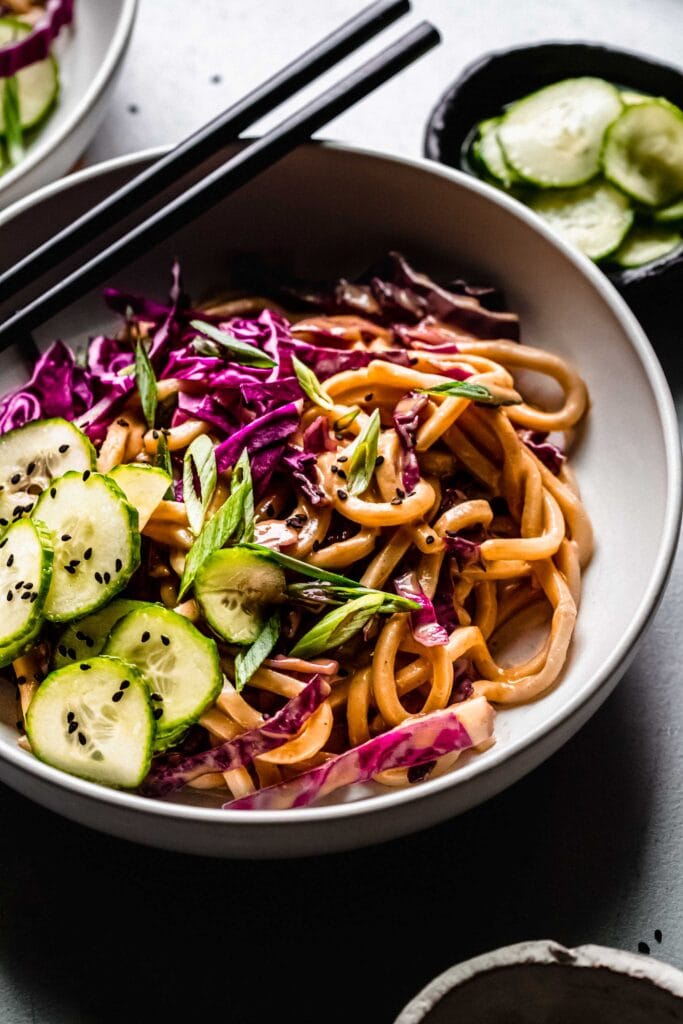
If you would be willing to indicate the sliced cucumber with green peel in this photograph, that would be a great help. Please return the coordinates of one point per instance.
(595, 217)
(235, 590)
(25, 573)
(86, 637)
(644, 245)
(37, 84)
(669, 214)
(94, 719)
(553, 137)
(490, 153)
(143, 485)
(179, 663)
(33, 455)
(96, 539)
(643, 152)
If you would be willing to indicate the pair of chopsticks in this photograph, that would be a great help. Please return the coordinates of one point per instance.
(241, 168)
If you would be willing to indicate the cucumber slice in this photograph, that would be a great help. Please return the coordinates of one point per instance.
(97, 543)
(644, 245)
(669, 214)
(179, 663)
(553, 137)
(31, 456)
(38, 84)
(643, 152)
(490, 153)
(93, 719)
(595, 217)
(86, 637)
(144, 487)
(25, 572)
(235, 590)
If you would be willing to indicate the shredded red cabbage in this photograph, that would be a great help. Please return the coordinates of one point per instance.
(406, 421)
(304, 470)
(36, 45)
(424, 624)
(467, 552)
(548, 453)
(58, 387)
(266, 431)
(173, 773)
(416, 741)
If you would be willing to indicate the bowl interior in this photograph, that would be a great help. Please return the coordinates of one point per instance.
(329, 211)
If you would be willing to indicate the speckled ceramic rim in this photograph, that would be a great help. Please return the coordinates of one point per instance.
(545, 951)
(89, 99)
(600, 681)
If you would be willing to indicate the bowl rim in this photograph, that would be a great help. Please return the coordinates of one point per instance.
(89, 99)
(545, 952)
(597, 682)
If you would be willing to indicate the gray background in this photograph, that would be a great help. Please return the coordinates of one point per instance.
(586, 849)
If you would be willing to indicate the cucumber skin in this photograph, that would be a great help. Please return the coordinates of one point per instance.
(65, 638)
(136, 678)
(51, 421)
(47, 110)
(168, 737)
(628, 110)
(127, 571)
(23, 643)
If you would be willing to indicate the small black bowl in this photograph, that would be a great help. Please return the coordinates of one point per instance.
(500, 77)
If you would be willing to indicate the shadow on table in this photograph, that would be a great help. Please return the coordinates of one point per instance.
(97, 930)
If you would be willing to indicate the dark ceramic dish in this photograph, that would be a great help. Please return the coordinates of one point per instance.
(498, 78)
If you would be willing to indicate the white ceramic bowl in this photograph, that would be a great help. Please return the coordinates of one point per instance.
(327, 210)
(90, 54)
(544, 983)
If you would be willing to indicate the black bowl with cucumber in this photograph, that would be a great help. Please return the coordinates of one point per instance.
(589, 137)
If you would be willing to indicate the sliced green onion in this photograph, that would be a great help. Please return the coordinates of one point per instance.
(362, 456)
(310, 385)
(146, 383)
(248, 661)
(247, 355)
(200, 464)
(337, 626)
(475, 392)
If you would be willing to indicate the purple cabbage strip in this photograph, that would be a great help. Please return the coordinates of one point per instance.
(58, 387)
(168, 776)
(216, 409)
(467, 552)
(263, 396)
(548, 453)
(463, 680)
(424, 625)
(266, 431)
(304, 467)
(416, 741)
(406, 421)
(36, 45)
(317, 436)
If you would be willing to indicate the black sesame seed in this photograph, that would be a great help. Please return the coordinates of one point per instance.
(643, 947)
(89, 642)
(118, 565)
(70, 716)
(62, 650)
(379, 460)
(342, 495)
(53, 492)
(165, 640)
(72, 653)
(73, 726)
(155, 434)
(157, 697)
(145, 637)
(343, 458)
(123, 423)
(98, 577)
(316, 545)
(66, 537)
(16, 478)
(34, 596)
(18, 586)
(158, 712)
(125, 684)
(30, 468)
(80, 635)
(334, 469)
(75, 561)
(85, 667)
(10, 561)
(3, 522)
(3, 542)
(341, 474)
(429, 539)
(16, 511)
(658, 935)
(86, 474)
(400, 493)
(10, 595)
(397, 501)
(21, 680)
(70, 569)
(116, 697)
(26, 596)
(87, 554)
(369, 397)
(27, 508)
(81, 739)
(28, 586)
(63, 449)
(107, 577)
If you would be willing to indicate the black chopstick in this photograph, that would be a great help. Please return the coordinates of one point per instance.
(223, 181)
(210, 139)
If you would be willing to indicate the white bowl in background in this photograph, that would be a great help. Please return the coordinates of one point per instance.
(544, 983)
(328, 210)
(90, 53)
